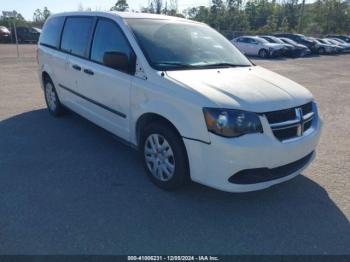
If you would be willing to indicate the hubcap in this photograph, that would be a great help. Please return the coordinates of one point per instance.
(50, 96)
(159, 157)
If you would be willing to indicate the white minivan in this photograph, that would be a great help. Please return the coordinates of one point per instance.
(182, 94)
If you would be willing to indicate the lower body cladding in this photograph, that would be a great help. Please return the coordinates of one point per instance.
(250, 162)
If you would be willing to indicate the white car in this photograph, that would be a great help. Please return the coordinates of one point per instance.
(182, 94)
(257, 46)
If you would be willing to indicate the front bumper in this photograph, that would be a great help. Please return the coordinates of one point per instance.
(215, 163)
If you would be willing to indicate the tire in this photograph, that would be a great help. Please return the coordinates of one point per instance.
(164, 155)
(263, 53)
(321, 51)
(51, 98)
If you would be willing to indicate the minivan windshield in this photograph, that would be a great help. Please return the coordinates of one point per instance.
(174, 45)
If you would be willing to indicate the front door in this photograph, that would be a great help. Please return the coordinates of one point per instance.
(106, 89)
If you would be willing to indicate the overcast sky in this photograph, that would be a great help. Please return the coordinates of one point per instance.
(27, 7)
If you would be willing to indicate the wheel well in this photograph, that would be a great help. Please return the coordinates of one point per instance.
(45, 76)
(149, 118)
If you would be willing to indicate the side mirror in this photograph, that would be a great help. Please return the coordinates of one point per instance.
(117, 60)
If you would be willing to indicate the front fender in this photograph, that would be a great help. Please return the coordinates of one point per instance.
(185, 116)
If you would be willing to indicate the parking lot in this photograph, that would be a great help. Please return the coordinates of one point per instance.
(69, 187)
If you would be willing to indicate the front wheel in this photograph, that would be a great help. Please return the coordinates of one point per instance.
(263, 53)
(165, 156)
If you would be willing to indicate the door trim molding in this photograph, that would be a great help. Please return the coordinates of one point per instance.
(93, 101)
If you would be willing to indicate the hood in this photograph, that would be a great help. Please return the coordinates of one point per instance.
(252, 88)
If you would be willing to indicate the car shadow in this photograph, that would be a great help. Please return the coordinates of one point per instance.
(69, 187)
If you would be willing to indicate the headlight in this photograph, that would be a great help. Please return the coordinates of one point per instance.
(231, 122)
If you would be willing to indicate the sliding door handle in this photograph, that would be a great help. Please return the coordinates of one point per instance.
(76, 67)
(88, 71)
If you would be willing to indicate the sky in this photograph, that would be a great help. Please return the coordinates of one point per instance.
(27, 7)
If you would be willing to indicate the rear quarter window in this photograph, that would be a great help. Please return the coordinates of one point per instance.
(50, 35)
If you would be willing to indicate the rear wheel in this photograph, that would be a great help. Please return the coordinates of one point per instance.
(52, 101)
(263, 53)
(165, 156)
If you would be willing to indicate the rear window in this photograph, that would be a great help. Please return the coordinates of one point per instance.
(76, 35)
(52, 31)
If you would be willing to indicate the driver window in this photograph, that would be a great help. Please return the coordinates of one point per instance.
(108, 38)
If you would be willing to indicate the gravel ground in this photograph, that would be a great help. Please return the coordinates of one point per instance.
(69, 187)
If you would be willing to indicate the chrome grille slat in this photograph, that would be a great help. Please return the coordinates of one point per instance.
(308, 115)
(292, 122)
(285, 127)
(282, 124)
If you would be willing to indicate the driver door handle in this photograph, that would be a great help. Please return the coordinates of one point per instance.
(88, 71)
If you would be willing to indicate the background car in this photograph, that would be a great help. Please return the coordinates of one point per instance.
(257, 46)
(324, 48)
(5, 35)
(342, 37)
(344, 45)
(300, 39)
(338, 48)
(289, 50)
(27, 34)
(301, 50)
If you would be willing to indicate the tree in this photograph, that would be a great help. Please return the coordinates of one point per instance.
(291, 11)
(158, 5)
(217, 15)
(37, 16)
(46, 13)
(121, 5)
(271, 23)
(284, 25)
(80, 7)
(235, 17)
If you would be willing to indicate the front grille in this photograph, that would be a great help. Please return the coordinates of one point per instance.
(280, 116)
(284, 134)
(258, 175)
(307, 108)
(290, 123)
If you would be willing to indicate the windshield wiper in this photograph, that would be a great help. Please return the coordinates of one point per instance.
(194, 66)
(225, 65)
(175, 64)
